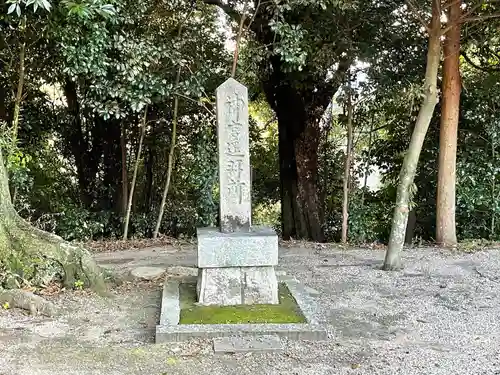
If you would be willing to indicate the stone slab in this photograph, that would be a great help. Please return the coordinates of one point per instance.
(293, 331)
(170, 331)
(147, 273)
(234, 156)
(238, 344)
(258, 247)
(306, 302)
(237, 286)
(170, 303)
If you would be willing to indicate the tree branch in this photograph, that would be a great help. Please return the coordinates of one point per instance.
(325, 93)
(480, 18)
(478, 67)
(417, 16)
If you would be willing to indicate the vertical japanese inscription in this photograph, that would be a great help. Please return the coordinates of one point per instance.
(234, 159)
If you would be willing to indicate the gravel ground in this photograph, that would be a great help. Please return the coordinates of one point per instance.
(439, 315)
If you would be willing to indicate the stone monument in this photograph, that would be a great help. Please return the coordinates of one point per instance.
(236, 261)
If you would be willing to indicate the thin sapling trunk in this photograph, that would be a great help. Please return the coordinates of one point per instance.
(409, 167)
(134, 177)
(347, 169)
(171, 156)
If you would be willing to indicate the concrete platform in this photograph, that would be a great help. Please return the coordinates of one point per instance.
(169, 329)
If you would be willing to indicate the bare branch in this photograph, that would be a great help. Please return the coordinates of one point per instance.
(478, 67)
(195, 101)
(415, 13)
(238, 39)
(480, 18)
(473, 9)
(254, 14)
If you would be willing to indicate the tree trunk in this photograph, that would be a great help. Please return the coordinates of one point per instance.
(368, 160)
(123, 146)
(86, 153)
(149, 165)
(347, 170)
(451, 87)
(19, 92)
(110, 190)
(171, 156)
(26, 251)
(299, 136)
(410, 227)
(134, 177)
(409, 167)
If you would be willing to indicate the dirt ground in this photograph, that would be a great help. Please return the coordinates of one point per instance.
(439, 315)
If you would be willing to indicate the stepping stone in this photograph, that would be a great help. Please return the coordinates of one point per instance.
(147, 273)
(236, 344)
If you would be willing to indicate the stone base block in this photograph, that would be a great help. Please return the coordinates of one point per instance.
(257, 247)
(237, 286)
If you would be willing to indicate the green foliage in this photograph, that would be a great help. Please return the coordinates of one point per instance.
(478, 168)
(92, 66)
(369, 218)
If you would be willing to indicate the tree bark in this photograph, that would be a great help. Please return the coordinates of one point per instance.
(347, 170)
(298, 156)
(409, 167)
(134, 176)
(451, 87)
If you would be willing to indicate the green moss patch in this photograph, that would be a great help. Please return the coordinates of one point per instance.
(287, 311)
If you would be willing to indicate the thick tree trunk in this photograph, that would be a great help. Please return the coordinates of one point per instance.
(298, 156)
(451, 87)
(347, 171)
(409, 167)
(25, 251)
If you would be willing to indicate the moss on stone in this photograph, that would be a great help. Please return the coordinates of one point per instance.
(287, 311)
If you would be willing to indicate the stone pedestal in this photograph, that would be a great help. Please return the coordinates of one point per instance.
(237, 268)
(236, 261)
